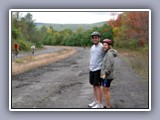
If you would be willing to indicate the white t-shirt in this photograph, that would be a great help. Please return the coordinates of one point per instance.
(96, 57)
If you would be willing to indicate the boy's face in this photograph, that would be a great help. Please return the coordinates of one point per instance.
(96, 39)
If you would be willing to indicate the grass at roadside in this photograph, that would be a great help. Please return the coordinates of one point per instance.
(137, 59)
(21, 65)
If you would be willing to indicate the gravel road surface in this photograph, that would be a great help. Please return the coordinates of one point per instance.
(65, 84)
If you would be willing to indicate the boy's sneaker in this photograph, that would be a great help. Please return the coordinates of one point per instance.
(92, 104)
(98, 106)
(101, 106)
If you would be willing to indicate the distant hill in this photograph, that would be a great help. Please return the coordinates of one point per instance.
(73, 27)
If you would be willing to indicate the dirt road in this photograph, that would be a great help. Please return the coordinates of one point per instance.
(64, 84)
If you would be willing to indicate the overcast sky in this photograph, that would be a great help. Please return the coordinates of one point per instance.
(71, 17)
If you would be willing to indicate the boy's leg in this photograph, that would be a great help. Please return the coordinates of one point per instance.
(99, 94)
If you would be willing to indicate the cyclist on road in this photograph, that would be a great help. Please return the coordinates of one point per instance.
(33, 49)
(16, 48)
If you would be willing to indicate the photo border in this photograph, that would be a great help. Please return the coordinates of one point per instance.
(76, 10)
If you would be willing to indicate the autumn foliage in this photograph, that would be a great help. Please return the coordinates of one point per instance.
(131, 28)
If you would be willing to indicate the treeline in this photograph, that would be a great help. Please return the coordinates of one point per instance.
(129, 30)
(73, 27)
(80, 37)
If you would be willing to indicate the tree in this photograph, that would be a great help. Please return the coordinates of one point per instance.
(24, 30)
(139, 24)
(131, 28)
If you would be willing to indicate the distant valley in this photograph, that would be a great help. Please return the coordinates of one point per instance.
(73, 27)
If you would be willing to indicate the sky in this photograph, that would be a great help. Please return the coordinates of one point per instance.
(71, 17)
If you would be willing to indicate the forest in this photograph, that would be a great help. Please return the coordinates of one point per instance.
(130, 30)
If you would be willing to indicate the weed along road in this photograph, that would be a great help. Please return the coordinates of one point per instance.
(65, 84)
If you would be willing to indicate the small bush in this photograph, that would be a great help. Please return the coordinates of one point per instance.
(24, 45)
(18, 61)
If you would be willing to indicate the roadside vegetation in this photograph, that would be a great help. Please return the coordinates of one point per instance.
(137, 59)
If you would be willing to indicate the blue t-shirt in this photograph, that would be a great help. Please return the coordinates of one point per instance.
(96, 57)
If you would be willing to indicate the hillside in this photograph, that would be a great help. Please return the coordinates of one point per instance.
(70, 26)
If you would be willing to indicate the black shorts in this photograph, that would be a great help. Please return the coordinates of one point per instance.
(106, 82)
(94, 78)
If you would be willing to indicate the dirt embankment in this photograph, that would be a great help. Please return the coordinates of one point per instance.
(65, 84)
(28, 62)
